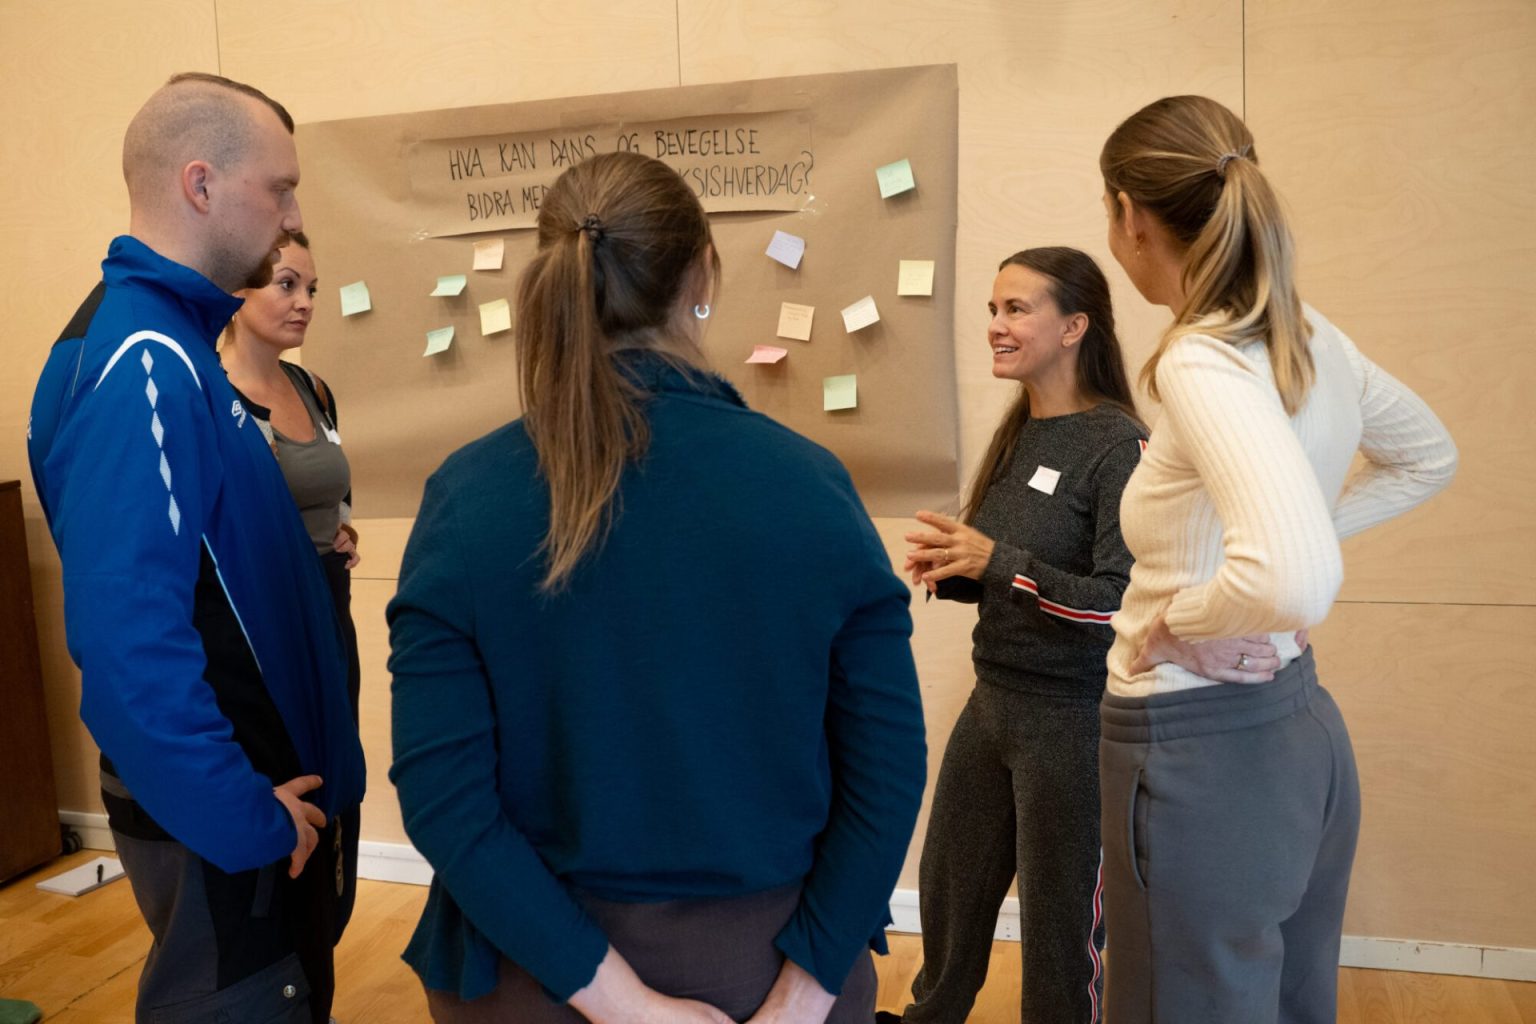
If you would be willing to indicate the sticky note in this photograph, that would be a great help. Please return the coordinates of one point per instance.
(438, 341)
(895, 178)
(489, 253)
(795, 321)
(453, 284)
(861, 314)
(840, 392)
(767, 354)
(787, 249)
(354, 298)
(914, 277)
(495, 317)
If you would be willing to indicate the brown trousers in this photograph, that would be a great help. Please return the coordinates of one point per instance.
(719, 952)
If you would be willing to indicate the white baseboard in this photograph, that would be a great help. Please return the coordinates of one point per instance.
(1356, 950)
(399, 862)
(392, 862)
(1438, 958)
(92, 829)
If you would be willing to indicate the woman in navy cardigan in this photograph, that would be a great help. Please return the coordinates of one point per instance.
(659, 776)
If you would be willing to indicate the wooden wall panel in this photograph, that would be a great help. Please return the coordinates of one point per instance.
(381, 810)
(354, 58)
(1440, 702)
(1403, 139)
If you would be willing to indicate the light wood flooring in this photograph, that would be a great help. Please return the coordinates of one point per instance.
(79, 959)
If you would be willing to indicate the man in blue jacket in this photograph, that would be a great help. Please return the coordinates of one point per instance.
(212, 671)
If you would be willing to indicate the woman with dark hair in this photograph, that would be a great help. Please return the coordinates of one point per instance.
(1230, 812)
(655, 782)
(1038, 548)
(296, 413)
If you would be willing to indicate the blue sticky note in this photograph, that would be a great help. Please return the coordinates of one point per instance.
(453, 284)
(438, 341)
(895, 178)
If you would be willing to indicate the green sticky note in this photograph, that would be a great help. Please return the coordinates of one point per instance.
(438, 341)
(840, 392)
(354, 298)
(453, 284)
(895, 178)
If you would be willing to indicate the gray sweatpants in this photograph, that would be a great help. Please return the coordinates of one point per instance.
(1017, 797)
(1230, 819)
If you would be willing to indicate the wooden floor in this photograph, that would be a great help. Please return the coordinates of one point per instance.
(79, 959)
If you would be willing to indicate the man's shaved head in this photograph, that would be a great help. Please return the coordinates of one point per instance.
(194, 116)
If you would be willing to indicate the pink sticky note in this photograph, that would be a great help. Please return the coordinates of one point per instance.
(766, 354)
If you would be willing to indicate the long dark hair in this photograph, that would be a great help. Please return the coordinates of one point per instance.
(620, 236)
(1077, 285)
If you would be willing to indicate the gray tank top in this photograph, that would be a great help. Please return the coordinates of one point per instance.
(317, 474)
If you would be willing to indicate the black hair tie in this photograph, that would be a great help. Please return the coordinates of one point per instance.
(593, 228)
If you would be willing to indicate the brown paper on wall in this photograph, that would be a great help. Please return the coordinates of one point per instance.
(734, 162)
(401, 415)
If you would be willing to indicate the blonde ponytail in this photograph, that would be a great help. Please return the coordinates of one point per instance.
(1190, 161)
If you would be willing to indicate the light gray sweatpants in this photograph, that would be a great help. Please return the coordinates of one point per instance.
(1230, 814)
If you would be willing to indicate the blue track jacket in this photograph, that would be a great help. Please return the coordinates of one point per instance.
(212, 665)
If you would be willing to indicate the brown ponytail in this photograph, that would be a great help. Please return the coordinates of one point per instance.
(1190, 161)
(620, 235)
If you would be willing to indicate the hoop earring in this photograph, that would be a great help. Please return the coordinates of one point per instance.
(702, 312)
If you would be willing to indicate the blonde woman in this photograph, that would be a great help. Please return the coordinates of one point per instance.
(658, 780)
(1230, 811)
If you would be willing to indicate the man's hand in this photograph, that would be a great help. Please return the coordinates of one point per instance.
(306, 818)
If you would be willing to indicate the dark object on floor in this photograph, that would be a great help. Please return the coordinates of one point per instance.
(19, 1011)
(887, 1017)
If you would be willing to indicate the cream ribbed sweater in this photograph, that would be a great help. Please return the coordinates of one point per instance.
(1235, 512)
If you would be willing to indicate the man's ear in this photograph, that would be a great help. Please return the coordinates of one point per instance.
(194, 184)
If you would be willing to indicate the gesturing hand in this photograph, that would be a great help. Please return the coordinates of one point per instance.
(951, 548)
(306, 818)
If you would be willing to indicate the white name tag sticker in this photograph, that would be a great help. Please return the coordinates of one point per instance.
(1045, 479)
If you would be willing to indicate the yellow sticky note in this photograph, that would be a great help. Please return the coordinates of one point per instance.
(355, 299)
(840, 392)
(489, 253)
(895, 178)
(438, 341)
(914, 277)
(795, 321)
(453, 284)
(495, 317)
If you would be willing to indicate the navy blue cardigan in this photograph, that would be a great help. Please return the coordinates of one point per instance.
(723, 702)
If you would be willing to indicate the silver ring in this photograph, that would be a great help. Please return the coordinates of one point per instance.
(1242, 662)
